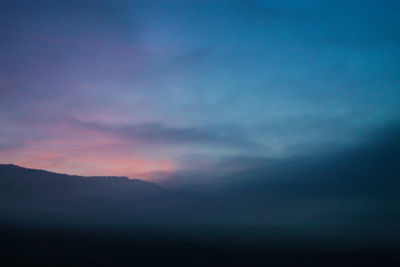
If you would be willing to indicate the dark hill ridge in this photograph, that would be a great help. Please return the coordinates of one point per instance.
(33, 181)
(350, 196)
(32, 196)
(18, 171)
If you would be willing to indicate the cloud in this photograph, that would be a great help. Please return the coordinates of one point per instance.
(158, 133)
(163, 83)
(6, 146)
(349, 193)
(130, 150)
(368, 170)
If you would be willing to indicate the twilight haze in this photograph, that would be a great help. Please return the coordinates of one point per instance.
(155, 89)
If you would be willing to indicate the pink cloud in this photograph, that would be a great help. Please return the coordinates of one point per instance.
(82, 151)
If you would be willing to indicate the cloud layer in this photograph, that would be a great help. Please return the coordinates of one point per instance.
(150, 86)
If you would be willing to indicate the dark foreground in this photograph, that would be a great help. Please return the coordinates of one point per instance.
(55, 247)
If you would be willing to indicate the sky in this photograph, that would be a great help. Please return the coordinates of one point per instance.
(153, 89)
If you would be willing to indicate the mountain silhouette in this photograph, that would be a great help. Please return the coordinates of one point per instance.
(30, 196)
(349, 195)
(326, 211)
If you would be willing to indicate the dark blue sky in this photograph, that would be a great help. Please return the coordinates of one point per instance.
(150, 88)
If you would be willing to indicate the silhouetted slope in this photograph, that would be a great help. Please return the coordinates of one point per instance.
(349, 198)
(371, 170)
(22, 182)
(40, 197)
(17, 172)
(351, 195)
